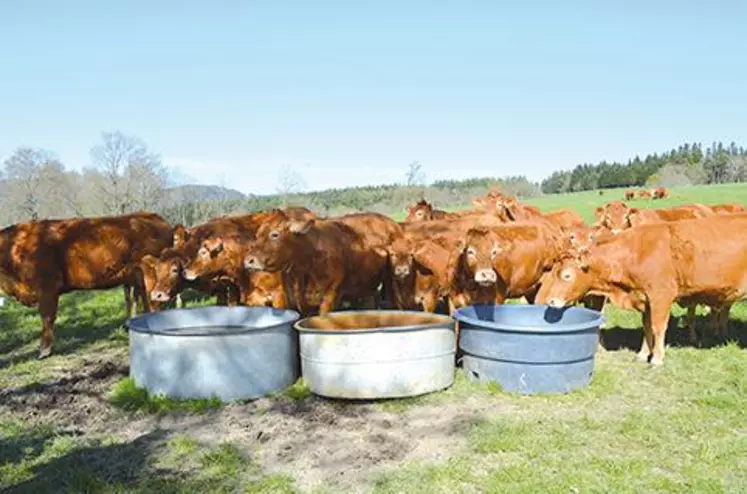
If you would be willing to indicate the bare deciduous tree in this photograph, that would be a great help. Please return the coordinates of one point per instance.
(132, 178)
(415, 174)
(30, 177)
(290, 181)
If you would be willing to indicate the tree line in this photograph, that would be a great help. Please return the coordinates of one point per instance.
(125, 175)
(689, 164)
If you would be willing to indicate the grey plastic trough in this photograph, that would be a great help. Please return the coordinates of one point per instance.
(377, 354)
(230, 353)
(529, 348)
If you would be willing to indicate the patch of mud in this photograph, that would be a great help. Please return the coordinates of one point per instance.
(342, 445)
(74, 400)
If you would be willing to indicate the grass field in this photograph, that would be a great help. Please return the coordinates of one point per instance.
(75, 422)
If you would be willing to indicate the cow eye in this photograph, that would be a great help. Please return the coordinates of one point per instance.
(566, 275)
(203, 251)
(471, 252)
(494, 253)
(274, 235)
(573, 236)
(174, 269)
(419, 213)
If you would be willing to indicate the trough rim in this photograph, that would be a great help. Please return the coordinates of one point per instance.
(137, 323)
(447, 322)
(525, 328)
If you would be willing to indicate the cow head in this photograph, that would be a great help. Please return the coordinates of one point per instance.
(264, 286)
(162, 275)
(401, 258)
(210, 258)
(568, 281)
(421, 211)
(480, 248)
(272, 249)
(580, 239)
(614, 216)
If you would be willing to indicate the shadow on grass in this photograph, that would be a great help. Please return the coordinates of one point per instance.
(619, 338)
(90, 468)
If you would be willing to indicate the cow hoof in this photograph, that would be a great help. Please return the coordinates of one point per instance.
(641, 357)
(45, 352)
(656, 363)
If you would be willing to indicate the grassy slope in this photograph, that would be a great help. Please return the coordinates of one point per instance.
(682, 428)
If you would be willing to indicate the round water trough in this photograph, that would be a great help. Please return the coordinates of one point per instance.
(377, 354)
(231, 353)
(529, 348)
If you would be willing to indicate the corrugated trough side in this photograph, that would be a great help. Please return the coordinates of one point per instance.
(529, 348)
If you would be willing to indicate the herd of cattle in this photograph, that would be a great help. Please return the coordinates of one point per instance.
(433, 260)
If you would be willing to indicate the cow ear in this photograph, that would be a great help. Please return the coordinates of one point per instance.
(180, 236)
(301, 226)
(148, 261)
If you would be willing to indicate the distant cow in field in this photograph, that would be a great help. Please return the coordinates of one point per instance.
(648, 268)
(41, 260)
(629, 195)
(660, 193)
(617, 216)
(644, 194)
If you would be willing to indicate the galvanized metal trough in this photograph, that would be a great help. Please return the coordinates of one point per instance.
(377, 354)
(231, 353)
(529, 348)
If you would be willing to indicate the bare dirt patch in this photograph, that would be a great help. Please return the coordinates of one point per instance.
(316, 441)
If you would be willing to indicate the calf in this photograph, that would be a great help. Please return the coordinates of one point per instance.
(41, 260)
(652, 266)
(508, 261)
(419, 272)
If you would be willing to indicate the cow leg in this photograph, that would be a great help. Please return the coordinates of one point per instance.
(330, 300)
(721, 319)
(430, 302)
(178, 301)
(222, 296)
(48, 312)
(647, 344)
(532, 295)
(660, 312)
(690, 321)
(129, 300)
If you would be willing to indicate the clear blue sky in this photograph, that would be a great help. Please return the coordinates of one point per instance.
(348, 93)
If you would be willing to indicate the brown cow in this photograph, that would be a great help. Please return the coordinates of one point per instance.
(727, 208)
(565, 219)
(652, 266)
(324, 259)
(617, 216)
(503, 262)
(644, 194)
(629, 195)
(163, 281)
(660, 193)
(41, 260)
(424, 211)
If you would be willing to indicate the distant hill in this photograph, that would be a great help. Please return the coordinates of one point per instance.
(197, 193)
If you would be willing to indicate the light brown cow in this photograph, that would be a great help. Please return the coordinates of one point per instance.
(727, 208)
(652, 266)
(660, 193)
(565, 219)
(629, 195)
(503, 262)
(617, 216)
(424, 211)
(41, 260)
(644, 194)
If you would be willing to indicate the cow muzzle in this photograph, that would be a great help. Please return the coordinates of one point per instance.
(252, 263)
(401, 271)
(159, 296)
(189, 275)
(486, 277)
(556, 303)
(615, 231)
